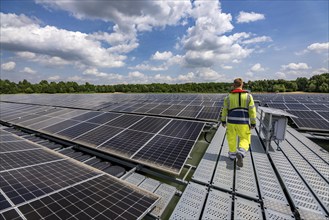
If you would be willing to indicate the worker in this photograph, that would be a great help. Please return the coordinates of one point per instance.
(239, 116)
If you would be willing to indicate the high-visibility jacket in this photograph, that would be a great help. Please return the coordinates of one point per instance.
(239, 108)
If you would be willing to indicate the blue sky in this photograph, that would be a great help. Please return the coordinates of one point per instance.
(112, 42)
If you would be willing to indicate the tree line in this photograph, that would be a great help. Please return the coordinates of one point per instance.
(316, 83)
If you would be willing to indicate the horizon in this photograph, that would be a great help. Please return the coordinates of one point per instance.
(173, 42)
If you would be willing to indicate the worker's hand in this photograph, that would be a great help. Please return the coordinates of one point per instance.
(252, 126)
(224, 124)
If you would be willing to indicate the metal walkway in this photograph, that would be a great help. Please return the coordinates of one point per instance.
(291, 183)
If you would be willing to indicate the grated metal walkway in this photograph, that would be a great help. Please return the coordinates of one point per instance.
(291, 183)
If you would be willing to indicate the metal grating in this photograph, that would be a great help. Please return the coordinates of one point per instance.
(273, 215)
(149, 184)
(135, 179)
(246, 209)
(206, 167)
(218, 205)
(166, 193)
(191, 203)
(245, 180)
(224, 173)
(299, 192)
(313, 179)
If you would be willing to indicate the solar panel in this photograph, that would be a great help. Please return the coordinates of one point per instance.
(324, 114)
(191, 111)
(76, 130)
(60, 126)
(296, 106)
(306, 123)
(4, 138)
(158, 109)
(33, 121)
(45, 123)
(104, 118)
(277, 105)
(3, 201)
(31, 182)
(124, 121)
(305, 114)
(86, 116)
(127, 142)
(317, 107)
(183, 129)
(165, 152)
(209, 113)
(150, 124)
(97, 136)
(17, 146)
(99, 198)
(173, 110)
(145, 108)
(11, 214)
(18, 159)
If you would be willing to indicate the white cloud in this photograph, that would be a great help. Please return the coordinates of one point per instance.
(226, 67)
(163, 79)
(319, 47)
(189, 77)
(162, 56)
(75, 47)
(246, 17)
(280, 75)
(9, 66)
(136, 74)
(295, 66)
(28, 70)
(258, 40)
(320, 71)
(54, 78)
(257, 68)
(250, 74)
(148, 67)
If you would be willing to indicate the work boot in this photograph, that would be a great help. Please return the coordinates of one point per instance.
(239, 162)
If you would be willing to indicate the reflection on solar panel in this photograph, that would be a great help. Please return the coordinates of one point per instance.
(60, 126)
(209, 113)
(104, 118)
(16, 146)
(76, 130)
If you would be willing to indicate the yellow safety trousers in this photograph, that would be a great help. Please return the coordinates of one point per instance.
(240, 130)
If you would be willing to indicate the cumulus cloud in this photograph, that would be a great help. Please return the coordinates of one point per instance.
(162, 56)
(280, 75)
(257, 68)
(28, 70)
(9, 66)
(246, 17)
(69, 46)
(226, 67)
(54, 78)
(258, 40)
(319, 47)
(136, 74)
(205, 43)
(295, 66)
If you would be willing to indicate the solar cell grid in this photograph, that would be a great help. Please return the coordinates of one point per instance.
(305, 114)
(191, 111)
(311, 123)
(158, 109)
(145, 108)
(103, 118)
(296, 106)
(35, 120)
(150, 124)
(25, 158)
(324, 114)
(26, 118)
(99, 198)
(127, 142)
(10, 214)
(277, 105)
(31, 182)
(3, 201)
(167, 152)
(6, 138)
(76, 130)
(317, 107)
(86, 116)
(17, 145)
(45, 123)
(209, 113)
(124, 121)
(60, 126)
(173, 110)
(97, 136)
(183, 129)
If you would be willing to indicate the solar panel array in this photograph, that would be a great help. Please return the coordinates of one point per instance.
(312, 110)
(162, 143)
(196, 106)
(37, 183)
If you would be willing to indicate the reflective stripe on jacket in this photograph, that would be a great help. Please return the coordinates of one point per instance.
(239, 108)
